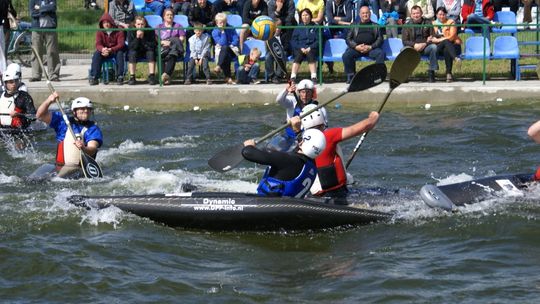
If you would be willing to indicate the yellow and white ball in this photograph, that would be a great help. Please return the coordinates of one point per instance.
(263, 28)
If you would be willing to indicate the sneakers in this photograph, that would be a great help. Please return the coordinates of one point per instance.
(187, 82)
(229, 81)
(255, 81)
(431, 76)
(152, 79)
(132, 80)
(314, 80)
(165, 78)
(217, 69)
(34, 79)
(120, 80)
(93, 81)
(449, 77)
(293, 80)
(208, 81)
(457, 64)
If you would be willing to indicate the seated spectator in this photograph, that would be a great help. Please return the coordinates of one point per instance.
(527, 5)
(109, 44)
(419, 37)
(249, 70)
(305, 45)
(374, 5)
(226, 49)
(426, 7)
(172, 44)
(513, 4)
(477, 12)
(363, 42)
(199, 48)
(282, 11)
(316, 7)
(228, 7)
(180, 7)
(390, 16)
(251, 10)
(157, 6)
(447, 41)
(453, 7)
(201, 11)
(122, 12)
(142, 43)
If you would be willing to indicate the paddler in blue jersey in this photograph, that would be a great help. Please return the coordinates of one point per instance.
(534, 133)
(289, 173)
(293, 105)
(88, 136)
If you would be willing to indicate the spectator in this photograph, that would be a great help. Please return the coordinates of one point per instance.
(316, 7)
(122, 12)
(180, 7)
(157, 6)
(390, 16)
(513, 4)
(172, 44)
(226, 49)
(109, 44)
(14, 102)
(426, 7)
(305, 45)
(5, 7)
(374, 5)
(251, 10)
(339, 12)
(201, 11)
(420, 38)
(282, 11)
(527, 6)
(142, 43)
(363, 42)
(43, 14)
(228, 6)
(477, 12)
(447, 41)
(249, 70)
(199, 47)
(453, 7)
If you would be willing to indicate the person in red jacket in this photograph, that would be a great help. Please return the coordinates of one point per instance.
(477, 12)
(109, 44)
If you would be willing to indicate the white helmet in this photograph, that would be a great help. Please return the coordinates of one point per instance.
(305, 84)
(81, 102)
(12, 72)
(313, 143)
(316, 118)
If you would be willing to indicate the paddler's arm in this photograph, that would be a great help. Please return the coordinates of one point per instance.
(534, 132)
(90, 149)
(360, 127)
(43, 113)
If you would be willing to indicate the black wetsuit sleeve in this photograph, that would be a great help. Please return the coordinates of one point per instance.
(284, 166)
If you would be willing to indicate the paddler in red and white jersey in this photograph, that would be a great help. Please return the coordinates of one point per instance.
(88, 136)
(14, 102)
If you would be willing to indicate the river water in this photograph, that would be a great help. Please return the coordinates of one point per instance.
(484, 253)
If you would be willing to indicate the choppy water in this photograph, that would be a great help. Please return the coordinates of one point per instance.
(486, 253)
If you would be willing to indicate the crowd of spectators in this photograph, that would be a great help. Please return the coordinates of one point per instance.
(435, 34)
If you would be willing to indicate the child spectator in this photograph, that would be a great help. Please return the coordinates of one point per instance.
(226, 47)
(142, 43)
(199, 47)
(109, 44)
(172, 44)
(248, 72)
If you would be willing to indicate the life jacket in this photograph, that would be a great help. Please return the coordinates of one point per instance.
(333, 176)
(7, 104)
(66, 151)
(298, 187)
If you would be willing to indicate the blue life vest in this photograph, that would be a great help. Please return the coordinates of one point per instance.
(297, 187)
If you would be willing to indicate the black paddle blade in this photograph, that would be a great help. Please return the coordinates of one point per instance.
(227, 159)
(403, 66)
(90, 167)
(277, 51)
(368, 77)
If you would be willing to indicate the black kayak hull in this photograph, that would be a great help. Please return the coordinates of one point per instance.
(447, 197)
(236, 211)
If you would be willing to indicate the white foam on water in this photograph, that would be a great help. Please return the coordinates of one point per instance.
(7, 179)
(110, 215)
(453, 178)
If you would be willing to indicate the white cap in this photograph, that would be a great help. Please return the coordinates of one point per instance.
(305, 84)
(314, 119)
(313, 143)
(81, 102)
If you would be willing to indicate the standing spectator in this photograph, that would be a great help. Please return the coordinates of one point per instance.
(226, 49)
(426, 7)
(373, 5)
(172, 44)
(180, 7)
(201, 11)
(43, 14)
(5, 7)
(199, 47)
(142, 43)
(477, 12)
(339, 12)
(419, 37)
(305, 45)
(316, 7)
(109, 44)
(122, 12)
(390, 16)
(157, 6)
(251, 10)
(282, 11)
(527, 6)
(228, 6)
(249, 70)
(513, 4)
(453, 7)
(363, 42)
(447, 41)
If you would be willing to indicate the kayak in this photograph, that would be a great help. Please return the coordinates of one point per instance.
(48, 171)
(447, 197)
(236, 211)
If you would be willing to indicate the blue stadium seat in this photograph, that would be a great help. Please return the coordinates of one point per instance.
(140, 6)
(506, 47)
(505, 17)
(153, 20)
(474, 48)
(235, 20)
(254, 43)
(334, 49)
(392, 47)
(182, 20)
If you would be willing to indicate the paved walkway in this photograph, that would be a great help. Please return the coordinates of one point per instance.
(74, 82)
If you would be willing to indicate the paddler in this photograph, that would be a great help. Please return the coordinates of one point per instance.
(534, 133)
(14, 102)
(88, 136)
